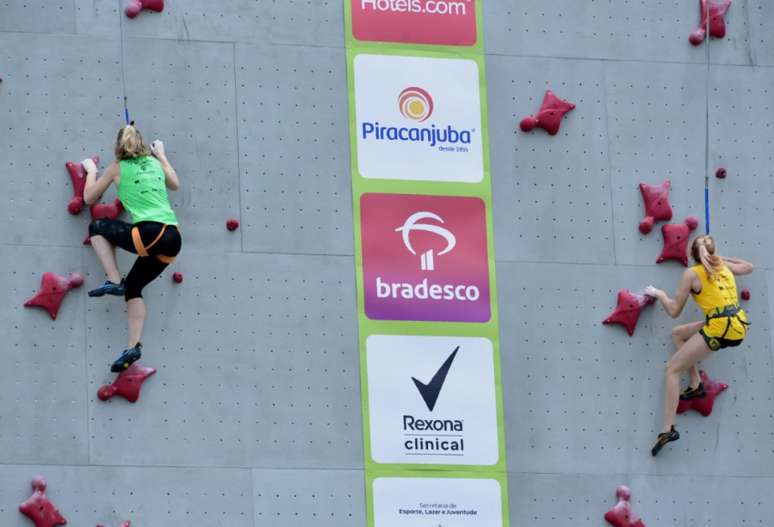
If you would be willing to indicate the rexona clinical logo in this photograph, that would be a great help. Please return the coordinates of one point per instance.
(418, 118)
(425, 258)
(444, 22)
(431, 400)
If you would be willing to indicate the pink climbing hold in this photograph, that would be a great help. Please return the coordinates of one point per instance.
(676, 237)
(104, 211)
(128, 384)
(549, 117)
(127, 523)
(39, 509)
(717, 24)
(703, 405)
(53, 289)
(622, 515)
(135, 6)
(657, 207)
(78, 178)
(177, 277)
(746, 295)
(721, 173)
(232, 224)
(627, 311)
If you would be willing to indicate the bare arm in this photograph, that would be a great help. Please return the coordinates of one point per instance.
(95, 187)
(738, 266)
(170, 176)
(674, 306)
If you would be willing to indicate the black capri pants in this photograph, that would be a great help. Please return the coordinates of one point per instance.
(156, 244)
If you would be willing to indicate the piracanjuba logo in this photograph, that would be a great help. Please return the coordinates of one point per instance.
(416, 104)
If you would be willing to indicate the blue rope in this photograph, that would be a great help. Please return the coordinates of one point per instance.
(706, 209)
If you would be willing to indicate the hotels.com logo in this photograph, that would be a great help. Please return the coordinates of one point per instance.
(452, 289)
(415, 103)
(444, 22)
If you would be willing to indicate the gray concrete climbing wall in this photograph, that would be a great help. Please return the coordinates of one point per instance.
(254, 416)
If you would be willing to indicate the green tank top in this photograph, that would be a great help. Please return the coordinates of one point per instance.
(143, 191)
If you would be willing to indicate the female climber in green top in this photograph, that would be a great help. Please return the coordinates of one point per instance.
(142, 177)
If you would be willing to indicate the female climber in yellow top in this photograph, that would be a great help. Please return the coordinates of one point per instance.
(712, 284)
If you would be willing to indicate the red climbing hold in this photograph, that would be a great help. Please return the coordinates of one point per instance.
(128, 384)
(746, 295)
(717, 10)
(703, 405)
(135, 6)
(53, 289)
(177, 277)
(549, 117)
(104, 211)
(657, 207)
(720, 173)
(622, 514)
(127, 523)
(232, 224)
(78, 177)
(676, 237)
(38, 508)
(627, 312)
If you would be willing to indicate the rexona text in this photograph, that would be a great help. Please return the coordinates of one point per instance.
(423, 436)
(431, 135)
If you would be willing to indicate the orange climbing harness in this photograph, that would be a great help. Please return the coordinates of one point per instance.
(142, 249)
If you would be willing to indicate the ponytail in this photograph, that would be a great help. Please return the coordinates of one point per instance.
(129, 143)
(704, 253)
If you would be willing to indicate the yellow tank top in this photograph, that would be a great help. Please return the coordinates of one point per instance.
(718, 292)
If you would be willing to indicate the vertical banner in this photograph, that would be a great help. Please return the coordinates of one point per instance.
(425, 263)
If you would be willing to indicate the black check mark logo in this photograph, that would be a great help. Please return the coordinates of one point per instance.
(430, 391)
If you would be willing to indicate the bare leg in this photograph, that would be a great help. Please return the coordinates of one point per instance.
(690, 353)
(136, 314)
(680, 335)
(107, 257)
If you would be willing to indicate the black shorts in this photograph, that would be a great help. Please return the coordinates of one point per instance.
(156, 243)
(719, 343)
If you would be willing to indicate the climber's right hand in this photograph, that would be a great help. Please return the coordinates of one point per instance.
(157, 148)
(89, 166)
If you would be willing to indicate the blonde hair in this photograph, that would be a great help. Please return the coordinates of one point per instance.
(129, 143)
(703, 252)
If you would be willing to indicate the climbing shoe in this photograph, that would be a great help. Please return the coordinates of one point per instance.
(109, 288)
(693, 393)
(127, 358)
(663, 439)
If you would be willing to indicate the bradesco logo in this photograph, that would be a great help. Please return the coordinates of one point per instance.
(425, 258)
(445, 22)
(418, 118)
(431, 400)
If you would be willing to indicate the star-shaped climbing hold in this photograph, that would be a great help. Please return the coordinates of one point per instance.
(128, 384)
(78, 178)
(657, 207)
(622, 514)
(703, 405)
(135, 6)
(627, 312)
(549, 117)
(717, 10)
(676, 237)
(127, 523)
(53, 289)
(39, 509)
(104, 211)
